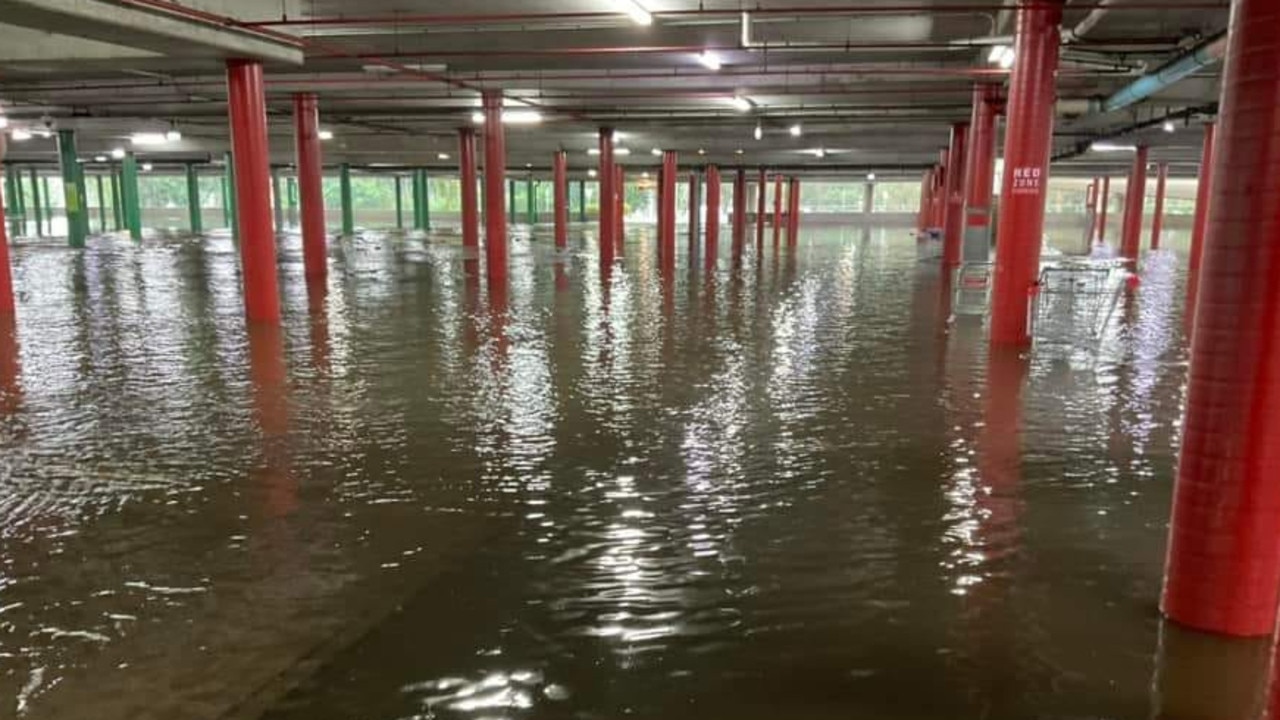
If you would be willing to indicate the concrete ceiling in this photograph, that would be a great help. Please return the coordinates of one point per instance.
(875, 84)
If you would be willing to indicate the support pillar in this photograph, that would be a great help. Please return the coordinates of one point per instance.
(667, 208)
(582, 201)
(979, 166)
(468, 191)
(36, 209)
(953, 203)
(13, 193)
(1104, 197)
(277, 200)
(348, 206)
(426, 200)
(194, 221)
(415, 198)
(608, 202)
(102, 205)
(1200, 222)
(793, 212)
(869, 199)
(48, 204)
(713, 213)
(560, 180)
(1157, 221)
(511, 200)
(291, 191)
(762, 185)
(620, 211)
(922, 215)
(1223, 568)
(777, 210)
(233, 215)
(739, 211)
(399, 202)
(73, 191)
(7, 305)
(695, 211)
(308, 153)
(530, 202)
(246, 103)
(117, 204)
(1135, 198)
(129, 199)
(1028, 141)
(495, 164)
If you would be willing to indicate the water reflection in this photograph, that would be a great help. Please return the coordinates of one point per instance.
(1199, 676)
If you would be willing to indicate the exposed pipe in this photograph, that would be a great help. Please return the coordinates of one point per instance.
(1168, 74)
(1083, 147)
(1083, 27)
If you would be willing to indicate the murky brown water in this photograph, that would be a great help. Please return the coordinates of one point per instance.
(779, 489)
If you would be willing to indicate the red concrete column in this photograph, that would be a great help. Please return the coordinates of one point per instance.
(1028, 142)
(1223, 571)
(1200, 223)
(1104, 204)
(495, 187)
(608, 203)
(560, 177)
(1157, 221)
(739, 211)
(1135, 198)
(777, 209)
(468, 192)
(953, 203)
(306, 131)
(667, 209)
(762, 183)
(713, 211)
(979, 165)
(620, 206)
(247, 108)
(6, 274)
(793, 212)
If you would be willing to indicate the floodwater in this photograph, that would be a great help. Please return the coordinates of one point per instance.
(777, 487)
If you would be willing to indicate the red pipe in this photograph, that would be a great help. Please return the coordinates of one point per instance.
(1223, 570)
(306, 130)
(713, 213)
(468, 192)
(1028, 141)
(1135, 198)
(953, 204)
(667, 213)
(1104, 204)
(979, 165)
(762, 190)
(560, 173)
(1157, 221)
(739, 211)
(620, 207)
(777, 210)
(495, 188)
(793, 213)
(1200, 222)
(247, 107)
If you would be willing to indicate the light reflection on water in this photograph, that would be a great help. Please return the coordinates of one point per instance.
(781, 486)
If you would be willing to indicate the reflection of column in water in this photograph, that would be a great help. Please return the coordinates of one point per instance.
(470, 303)
(318, 312)
(10, 366)
(1203, 676)
(269, 380)
(499, 318)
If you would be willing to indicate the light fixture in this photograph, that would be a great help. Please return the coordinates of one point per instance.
(871, 177)
(117, 153)
(173, 134)
(20, 135)
(591, 172)
(4, 122)
(146, 167)
(622, 151)
(742, 104)
(739, 151)
(702, 151)
(817, 152)
(997, 52)
(1006, 58)
(442, 156)
(148, 138)
(477, 117)
(511, 117)
(636, 12)
(1168, 126)
(709, 60)
(797, 130)
(656, 152)
(99, 158)
(759, 131)
(645, 174)
(325, 134)
(1103, 146)
(528, 165)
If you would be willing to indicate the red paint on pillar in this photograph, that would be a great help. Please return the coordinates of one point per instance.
(1200, 222)
(306, 130)
(468, 191)
(1223, 571)
(762, 183)
(495, 188)
(979, 164)
(1104, 204)
(713, 213)
(6, 273)
(953, 206)
(667, 211)
(1157, 220)
(560, 176)
(608, 206)
(1135, 198)
(777, 209)
(247, 108)
(1028, 141)
(739, 211)
(793, 212)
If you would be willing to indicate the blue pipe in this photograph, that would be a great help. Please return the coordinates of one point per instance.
(1181, 68)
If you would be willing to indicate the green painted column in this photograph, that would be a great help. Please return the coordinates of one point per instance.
(426, 201)
(582, 201)
(348, 210)
(13, 202)
(229, 197)
(195, 222)
(102, 205)
(415, 198)
(530, 202)
(277, 200)
(399, 204)
(291, 190)
(19, 198)
(47, 198)
(129, 196)
(117, 203)
(74, 196)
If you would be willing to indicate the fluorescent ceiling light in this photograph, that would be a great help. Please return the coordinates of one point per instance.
(99, 158)
(656, 151)
(4, 122)
(622, 151)
(759, 131)
(326, 134)
(148, 138)
(871, 177)
(645, 174)
(118, 153)
(817, 152)
(173, 135)
(797, 130)
(709, 60)
(20, 135)
(1168, 126)
(742, 104)
(511, 117)
(1006, 58)
(739, 151)
(591, 172)
(442, 156)
(593, 151)
(997, 52)
(146, 167)
(702, 151)
(636, 12)
(1112, 147)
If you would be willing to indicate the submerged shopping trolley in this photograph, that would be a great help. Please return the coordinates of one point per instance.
(1075, 301)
